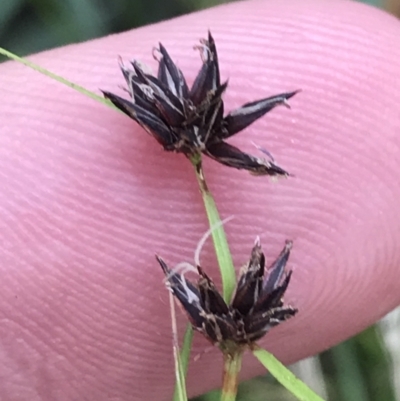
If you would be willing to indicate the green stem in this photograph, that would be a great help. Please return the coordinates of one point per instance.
(184, 359)
(223, 256)
(56, 77)
(180, 375)
(221, 246)
(232, 365)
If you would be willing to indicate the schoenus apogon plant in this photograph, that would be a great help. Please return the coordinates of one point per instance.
(256, 306)
(232, 322)
(191, 121)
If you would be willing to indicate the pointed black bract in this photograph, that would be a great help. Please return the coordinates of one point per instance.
(256, 306)
(191, 121)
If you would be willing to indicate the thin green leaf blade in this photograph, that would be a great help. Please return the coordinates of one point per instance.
(56, 77)
(285, 376)
(180, 375)
(184, 359)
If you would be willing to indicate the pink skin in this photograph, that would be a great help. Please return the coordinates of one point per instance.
(87, 198)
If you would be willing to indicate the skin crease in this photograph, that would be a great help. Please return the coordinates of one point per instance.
(88, 197)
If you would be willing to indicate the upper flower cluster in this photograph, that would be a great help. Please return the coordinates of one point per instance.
(191, 121)
(256, 306)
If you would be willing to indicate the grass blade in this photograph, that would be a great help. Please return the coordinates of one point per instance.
(184, 358)
(56, 77)
(285, 376)
(180, 387)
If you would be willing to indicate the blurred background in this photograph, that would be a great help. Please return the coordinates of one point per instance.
(364, 368)
(29, 26)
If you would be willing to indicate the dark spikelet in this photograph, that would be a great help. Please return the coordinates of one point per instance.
(191, 121)
(241, 118)
(187, 294)
(211, 300)
(231, 156)
(250, 281)
(256, 307)
(276, 270)
(154, 125)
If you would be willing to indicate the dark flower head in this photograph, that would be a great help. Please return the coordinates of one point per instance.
(256, 306)
(191, 121)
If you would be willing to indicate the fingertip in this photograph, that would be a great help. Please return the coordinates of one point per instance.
(124, 196)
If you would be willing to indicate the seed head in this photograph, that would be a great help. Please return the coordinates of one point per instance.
(256, 306)
(191, 121)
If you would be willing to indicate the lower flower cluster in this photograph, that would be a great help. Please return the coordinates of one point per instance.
(256, 306)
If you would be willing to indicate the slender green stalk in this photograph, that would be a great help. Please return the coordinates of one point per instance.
(180, 374)
(232, 365)
(223, 256)
(184, 359)
(221, 246)
(186, 346)
(56, 77)
(285, 376)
